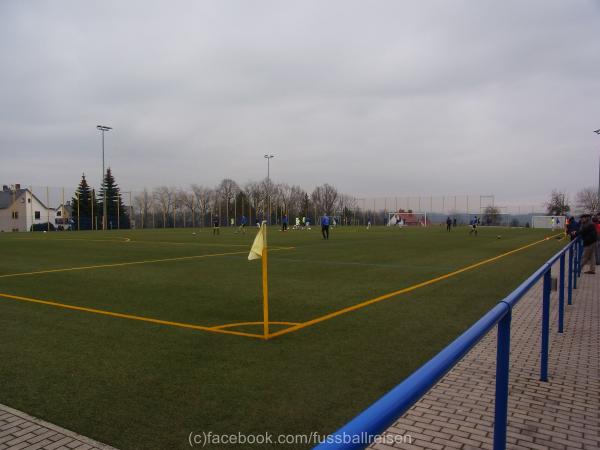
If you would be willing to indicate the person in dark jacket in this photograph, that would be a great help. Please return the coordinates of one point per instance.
(589, 237)
(448, 223)
(572, 228)
(596, 221)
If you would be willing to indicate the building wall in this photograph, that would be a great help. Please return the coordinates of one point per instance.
(26, 206)
(7, 222)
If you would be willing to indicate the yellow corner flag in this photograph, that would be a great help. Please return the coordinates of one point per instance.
(258, 246)
(259, 250)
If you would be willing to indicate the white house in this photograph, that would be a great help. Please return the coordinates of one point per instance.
(20, 209)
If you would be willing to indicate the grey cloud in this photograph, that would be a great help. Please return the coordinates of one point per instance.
(378, 98)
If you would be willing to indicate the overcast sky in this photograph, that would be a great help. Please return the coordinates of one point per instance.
(375, 97)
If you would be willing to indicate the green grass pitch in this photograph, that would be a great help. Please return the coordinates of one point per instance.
(134, 384)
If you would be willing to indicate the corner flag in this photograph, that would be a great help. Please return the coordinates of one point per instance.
(258, 246)
(259, 250)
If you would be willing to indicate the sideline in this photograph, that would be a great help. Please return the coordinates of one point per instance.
(401, 291)
(132, 263)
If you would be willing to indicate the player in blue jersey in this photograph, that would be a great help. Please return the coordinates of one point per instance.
(325, 227)
(474, 221)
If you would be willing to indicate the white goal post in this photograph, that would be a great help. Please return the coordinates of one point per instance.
(406, 219)
(550, 222)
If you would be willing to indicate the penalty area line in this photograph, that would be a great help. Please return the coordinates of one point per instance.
(399, 292)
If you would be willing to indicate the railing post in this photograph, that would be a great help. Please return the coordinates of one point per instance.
(502, 365)
(579, 256)
(545, 325)
(561, 294)
(570, 281)
(575, 264)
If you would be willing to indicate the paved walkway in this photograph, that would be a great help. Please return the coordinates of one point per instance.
(563, 413)
(20, 431)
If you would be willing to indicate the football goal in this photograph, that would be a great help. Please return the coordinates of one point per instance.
(496, 220)
(551, 222)
(406, 219)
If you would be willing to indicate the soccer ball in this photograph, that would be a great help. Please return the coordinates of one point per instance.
(45, 231)
(194, 233)
(498, 237)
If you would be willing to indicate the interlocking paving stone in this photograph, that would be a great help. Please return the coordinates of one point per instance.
(563, 413)
(29, 433)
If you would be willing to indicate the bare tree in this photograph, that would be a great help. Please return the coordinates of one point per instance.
(558, 204)
(283, 195)
(587, 200)
(254, 193)
(491, 215)
(187, 203)
(214, 203)
(143, 202)
(266, 190)
(296, 198)
(228, 189)
(202, 196)
(325, 198)
(163, 196)
(347, 205)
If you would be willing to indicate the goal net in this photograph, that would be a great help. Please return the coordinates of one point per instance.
(406, 219)
(496, 220)
(550, 222)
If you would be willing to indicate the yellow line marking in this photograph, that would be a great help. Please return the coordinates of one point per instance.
(132, 263)
(102, 266)
(130, 317)
(233, 325)
(129, 240)
(401, 291)
(203, 244)
(208, 244)
(125, 239)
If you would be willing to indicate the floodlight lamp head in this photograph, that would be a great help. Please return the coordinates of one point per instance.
(597, 131)
(103, 128)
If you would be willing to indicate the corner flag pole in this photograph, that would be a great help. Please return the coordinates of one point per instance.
(265, 285)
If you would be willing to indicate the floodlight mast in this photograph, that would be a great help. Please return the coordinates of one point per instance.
(268, 158)
(103, 128)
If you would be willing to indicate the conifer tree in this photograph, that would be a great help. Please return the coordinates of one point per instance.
(82, 206)
(116, 214)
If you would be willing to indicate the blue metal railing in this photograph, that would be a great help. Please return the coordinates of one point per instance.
(364, 428)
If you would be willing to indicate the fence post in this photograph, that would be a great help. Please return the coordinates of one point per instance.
(502, 366)
(561, 295)
(545, 325)
(570, 281)
(575, 264)
(579, 256)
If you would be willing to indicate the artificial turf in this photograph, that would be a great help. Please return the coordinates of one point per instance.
(134, 385)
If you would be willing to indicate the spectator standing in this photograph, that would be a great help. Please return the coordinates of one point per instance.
(597, 225)
(589, 237)
(573, 228)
